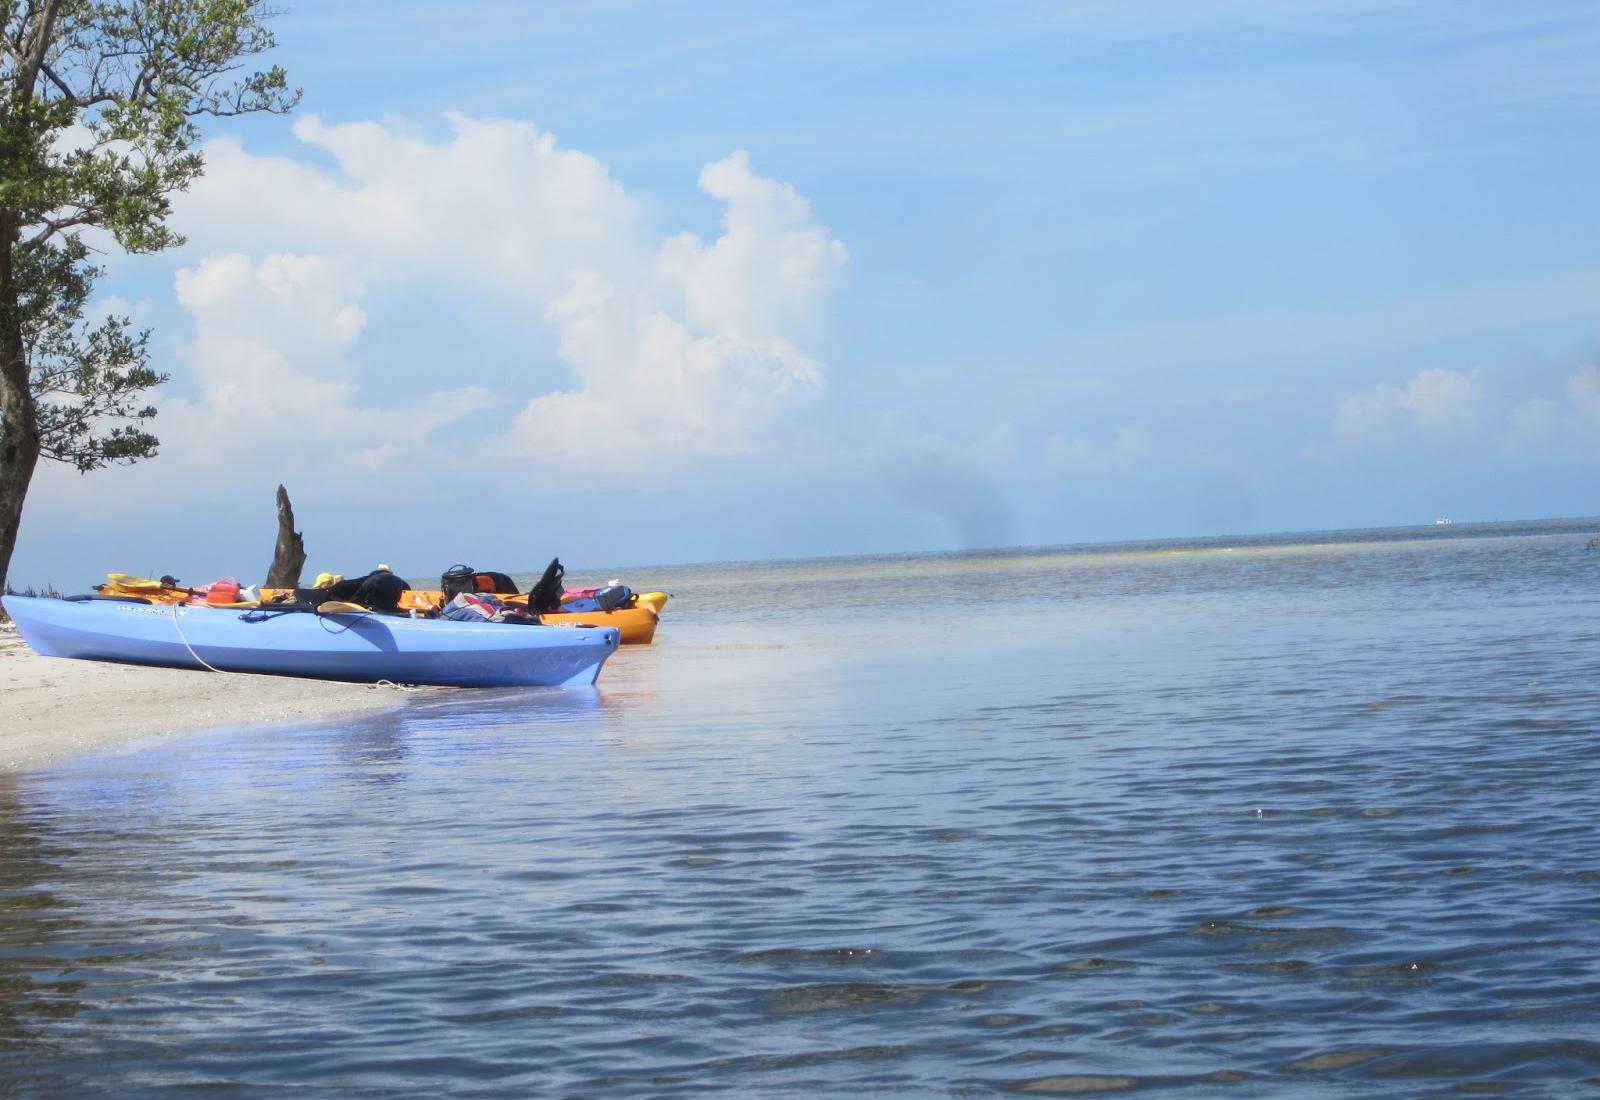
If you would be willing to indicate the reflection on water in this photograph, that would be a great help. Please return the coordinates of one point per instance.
(35, 987)
(1308, 817)
(374, 748)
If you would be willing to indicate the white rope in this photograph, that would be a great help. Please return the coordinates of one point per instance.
(185, 641)
(396, 686)
(213, 668)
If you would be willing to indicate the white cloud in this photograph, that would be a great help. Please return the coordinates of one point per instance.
(999, 447)
(1127, 450)
(1444, 402)
(1532, 423)
(497, 209)
(1565, 423)
(1437, 403)
(115, 305)
(277, 384)
(771, 269)
(698, 359)
(273, 393)
(302, 309)
(676, 348)
(1583, 390)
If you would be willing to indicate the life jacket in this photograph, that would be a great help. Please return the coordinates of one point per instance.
(165, 590)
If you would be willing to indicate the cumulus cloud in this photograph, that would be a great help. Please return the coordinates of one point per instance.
(703, 353)
(300, 309)
(270, 389)
(1569, 419)
(1438, 403)
(495, 209)
(276, 380)
(675, 348)
(769, 272)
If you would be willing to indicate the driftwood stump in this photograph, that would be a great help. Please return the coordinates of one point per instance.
(289, 557)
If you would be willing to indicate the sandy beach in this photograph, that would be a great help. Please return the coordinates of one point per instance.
(52, 708)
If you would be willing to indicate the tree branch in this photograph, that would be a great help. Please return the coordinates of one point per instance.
(60, 84)
(31, 64)
(57, 225)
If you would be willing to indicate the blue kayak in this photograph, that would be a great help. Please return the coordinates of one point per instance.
(359, 647)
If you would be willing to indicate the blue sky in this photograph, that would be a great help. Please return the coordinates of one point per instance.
(642, 283)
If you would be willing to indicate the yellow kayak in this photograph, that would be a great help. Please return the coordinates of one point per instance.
(655, 601)
(636, 622)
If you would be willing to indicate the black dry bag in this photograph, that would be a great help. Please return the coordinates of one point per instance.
(456, 580)
(546, 595)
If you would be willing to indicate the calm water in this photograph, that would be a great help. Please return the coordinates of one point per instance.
(1279, 817)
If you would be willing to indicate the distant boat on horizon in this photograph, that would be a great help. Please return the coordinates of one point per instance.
(1442, 521)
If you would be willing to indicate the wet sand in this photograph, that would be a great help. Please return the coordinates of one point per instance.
(52, 708)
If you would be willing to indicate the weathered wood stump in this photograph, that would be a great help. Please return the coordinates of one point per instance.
(289, 557)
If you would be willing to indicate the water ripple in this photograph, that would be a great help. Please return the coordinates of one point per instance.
(1314, 821)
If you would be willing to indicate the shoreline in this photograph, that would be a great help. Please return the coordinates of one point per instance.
(56, 708)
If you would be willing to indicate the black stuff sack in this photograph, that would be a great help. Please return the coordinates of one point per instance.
(546, 595)
(381, 591)
(378, 591)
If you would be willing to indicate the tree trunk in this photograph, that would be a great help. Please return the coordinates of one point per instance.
(19, 427)
(289, 558)
(19, 454)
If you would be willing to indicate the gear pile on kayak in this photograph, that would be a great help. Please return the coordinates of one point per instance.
(475, 630)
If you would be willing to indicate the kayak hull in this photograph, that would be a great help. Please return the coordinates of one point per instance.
(655, 601)
(636, 625)
(354, 647)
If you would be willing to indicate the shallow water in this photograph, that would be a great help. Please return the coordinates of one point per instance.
(1309, 816)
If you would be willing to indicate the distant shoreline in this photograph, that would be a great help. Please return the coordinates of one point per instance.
(668, 574)
(57, 708)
